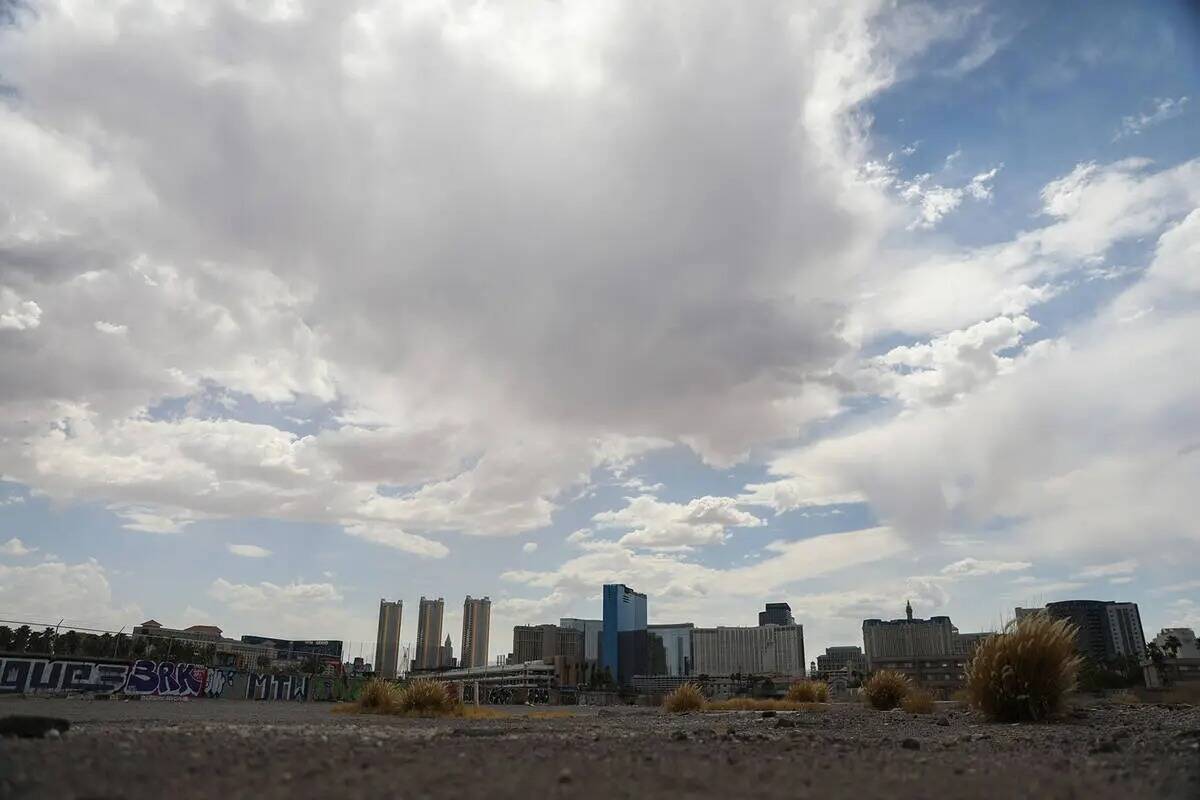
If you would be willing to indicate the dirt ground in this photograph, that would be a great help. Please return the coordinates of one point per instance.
(218, 749)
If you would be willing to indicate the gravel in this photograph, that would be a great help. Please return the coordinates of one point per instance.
(229, 749)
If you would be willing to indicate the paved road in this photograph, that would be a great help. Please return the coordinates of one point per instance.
(230, 749)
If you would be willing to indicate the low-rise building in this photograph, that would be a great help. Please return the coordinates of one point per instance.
(848, 658)
(945, 672)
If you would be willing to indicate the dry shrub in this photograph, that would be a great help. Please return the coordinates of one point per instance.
(1026, 672)
(917, 701)
(808, 692)
(886, 689)
(426, 697)
(687, 697)
(379, 696)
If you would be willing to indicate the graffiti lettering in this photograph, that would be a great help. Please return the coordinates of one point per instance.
(20, 675)
(216, 680)
(166, 679)
(277, 687)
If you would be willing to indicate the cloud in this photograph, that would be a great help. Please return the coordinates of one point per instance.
(973, 568)
(1107, 570)
(933, 201)
(1060, 454)
(1165, 108)
(657, 524)
(248, 550)
(529, 547)
(15, 547)
(80, 593)
(110, 328)
(17, 314)
(335, 403)
(398, 539)
(296, 610)
(952, 365)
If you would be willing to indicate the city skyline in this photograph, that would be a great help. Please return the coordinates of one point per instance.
(832, 305)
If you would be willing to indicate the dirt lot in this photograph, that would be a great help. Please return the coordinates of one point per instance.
(218, 749)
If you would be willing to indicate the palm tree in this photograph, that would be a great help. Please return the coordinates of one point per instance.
(1172, 645)
(67, 644)
(21, 638)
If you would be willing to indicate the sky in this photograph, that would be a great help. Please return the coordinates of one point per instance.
(306, 304)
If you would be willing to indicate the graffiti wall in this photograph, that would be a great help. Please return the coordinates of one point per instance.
(144, 678)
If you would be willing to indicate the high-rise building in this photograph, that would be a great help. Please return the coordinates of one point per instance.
(1107, 630)
(849, 658)
(542, 642)
(762, 650)
(776, 614)
(625, 643)
(429, 634)
(477, 621)
(446, 658)
(909, 637)
(677, 648)
(387, 641)
(592, 629)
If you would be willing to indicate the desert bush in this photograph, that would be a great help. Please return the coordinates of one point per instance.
(1026, 672)
(808, 692)
(886, 689)
(426, 696)
(687, 697)
(917, 701)
(379, 696)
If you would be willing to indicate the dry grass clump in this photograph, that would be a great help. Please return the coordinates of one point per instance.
(886, 689)
(1125, 698)
(1024, 673)
(379, 696)
(917, 701)
(808, 692)
(423, 697)
(426, 697)
(687, 697)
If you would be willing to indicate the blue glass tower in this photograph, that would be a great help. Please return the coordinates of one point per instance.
(624, 643)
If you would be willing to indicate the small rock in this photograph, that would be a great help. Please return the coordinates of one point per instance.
(31, 727)
(783, 722)
(679, 736)
(910, 744)
(768, 714)
(1107, 746)
(565, 776)
(53, 733)
(945, 723)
